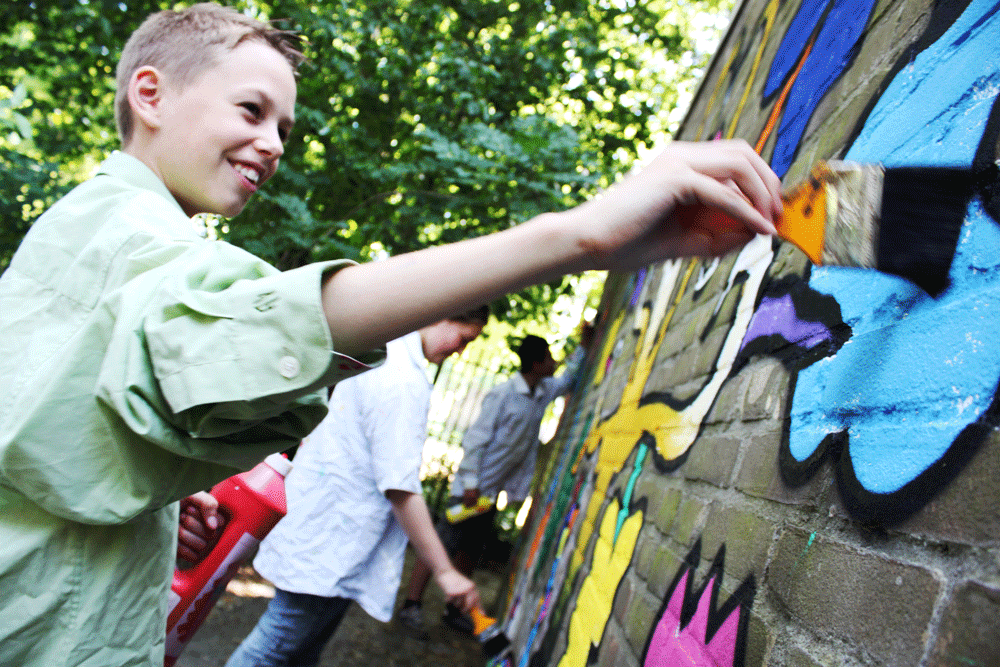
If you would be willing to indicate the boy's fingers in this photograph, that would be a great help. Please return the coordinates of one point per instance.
(193, 523)
(207, 506)
(735, 160)
(714, 194)
(191, 540)
(470, 600)
(751, 184)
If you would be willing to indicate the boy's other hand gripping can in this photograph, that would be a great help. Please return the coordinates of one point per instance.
(252, 502)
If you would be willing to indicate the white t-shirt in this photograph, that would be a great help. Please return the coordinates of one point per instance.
(340, 537)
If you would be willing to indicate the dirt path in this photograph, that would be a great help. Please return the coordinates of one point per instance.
(360, 641)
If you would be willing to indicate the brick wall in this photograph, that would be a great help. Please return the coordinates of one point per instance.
(770, 463)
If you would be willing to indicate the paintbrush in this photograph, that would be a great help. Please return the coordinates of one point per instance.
(899, 220)
(489, 633)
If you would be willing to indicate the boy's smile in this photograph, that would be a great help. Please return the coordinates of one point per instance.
(215, 140)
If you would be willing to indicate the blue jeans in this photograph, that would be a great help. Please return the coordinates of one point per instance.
(292, 631)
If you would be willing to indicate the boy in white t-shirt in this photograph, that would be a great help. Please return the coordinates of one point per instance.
(354, 498)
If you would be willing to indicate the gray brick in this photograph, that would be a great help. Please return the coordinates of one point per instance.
(759, 643)
(789, 260)
(967, 509)
(746, 537)
(624, 655)
(766, 391)
(666, 564)
(639, 622)
(650, 486)
(708, 353)
(970, 629)
(883, 606)
(645, 553)
(623, 597)
(689, 520)
(760, 476)
(713, 456)
(728, 404)
(799, 658)
(681, 372)
(667, 510)
(607, 655)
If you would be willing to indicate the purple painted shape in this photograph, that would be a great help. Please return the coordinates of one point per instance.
(778, 317)
(640, 278)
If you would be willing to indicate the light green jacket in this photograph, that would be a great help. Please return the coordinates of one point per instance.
(139, 363)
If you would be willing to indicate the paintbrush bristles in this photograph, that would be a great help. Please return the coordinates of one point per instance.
(853, 212)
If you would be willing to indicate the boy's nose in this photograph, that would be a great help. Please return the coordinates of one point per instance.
(269, 142)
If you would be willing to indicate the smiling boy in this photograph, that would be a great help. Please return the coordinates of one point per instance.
(142, 363)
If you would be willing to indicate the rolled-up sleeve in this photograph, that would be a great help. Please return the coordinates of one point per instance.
(397, 433)
(195, 363)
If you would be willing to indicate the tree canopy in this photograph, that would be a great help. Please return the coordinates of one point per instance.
(418, 121)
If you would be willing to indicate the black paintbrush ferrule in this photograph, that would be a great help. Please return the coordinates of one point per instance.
(923, 209)
(493, 641)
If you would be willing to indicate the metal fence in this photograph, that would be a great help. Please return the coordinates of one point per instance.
(459, 387)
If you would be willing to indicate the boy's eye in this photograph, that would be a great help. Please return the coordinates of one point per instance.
(253, 108)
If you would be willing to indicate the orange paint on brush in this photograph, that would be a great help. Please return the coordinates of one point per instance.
(804, 220)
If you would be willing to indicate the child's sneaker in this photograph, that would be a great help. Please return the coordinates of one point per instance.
(412, 620)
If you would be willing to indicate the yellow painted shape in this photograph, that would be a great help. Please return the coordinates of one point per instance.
(609, 344)
(718, 86)
(614, 439)
(597, 593)
(618, 434)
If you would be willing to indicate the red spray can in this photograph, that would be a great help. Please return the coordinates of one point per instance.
(252, 503)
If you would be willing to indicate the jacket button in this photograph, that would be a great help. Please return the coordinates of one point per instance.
(289, 367)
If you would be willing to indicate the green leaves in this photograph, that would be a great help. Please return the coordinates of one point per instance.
(10, 118)
(418, 121)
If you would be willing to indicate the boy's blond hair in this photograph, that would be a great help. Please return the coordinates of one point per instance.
(185, 43)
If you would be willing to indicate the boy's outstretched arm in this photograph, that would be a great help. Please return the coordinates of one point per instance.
(628, 226)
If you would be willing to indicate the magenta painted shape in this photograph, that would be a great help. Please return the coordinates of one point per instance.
(678, 646)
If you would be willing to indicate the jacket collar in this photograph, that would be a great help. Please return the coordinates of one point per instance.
(520, 384)
(414, 349)
(134, 171)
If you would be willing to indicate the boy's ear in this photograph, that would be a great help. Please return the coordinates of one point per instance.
(146, 89)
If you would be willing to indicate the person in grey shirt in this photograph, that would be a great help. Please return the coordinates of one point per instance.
(500, 450)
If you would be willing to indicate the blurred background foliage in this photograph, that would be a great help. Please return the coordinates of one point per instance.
(418, 121)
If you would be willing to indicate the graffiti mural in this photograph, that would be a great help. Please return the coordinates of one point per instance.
(872, 428)
(890, 389)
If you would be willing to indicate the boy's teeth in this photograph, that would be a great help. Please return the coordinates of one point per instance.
(249, 173)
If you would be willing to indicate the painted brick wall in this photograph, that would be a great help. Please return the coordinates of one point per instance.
(770, 463)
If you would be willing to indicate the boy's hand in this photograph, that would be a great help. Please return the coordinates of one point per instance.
(634, 222)
(470, 497)
(199, 526)
(458, 589)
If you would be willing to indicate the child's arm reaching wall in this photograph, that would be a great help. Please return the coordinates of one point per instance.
(412, 513)
(628, 226)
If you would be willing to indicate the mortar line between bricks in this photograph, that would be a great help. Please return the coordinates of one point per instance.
(937, 615)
